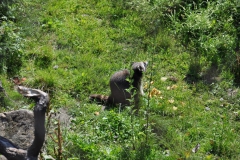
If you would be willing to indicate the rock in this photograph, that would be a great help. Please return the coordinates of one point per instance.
(2, 157)
(18, 127)
(63, 117)
(55, 67)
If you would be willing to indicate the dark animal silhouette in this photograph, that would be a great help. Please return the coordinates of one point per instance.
(120, 83)
(10, 150)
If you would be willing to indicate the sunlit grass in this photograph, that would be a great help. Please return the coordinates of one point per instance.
(71, 50)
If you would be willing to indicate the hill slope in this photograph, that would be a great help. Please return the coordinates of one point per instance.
(71, 48)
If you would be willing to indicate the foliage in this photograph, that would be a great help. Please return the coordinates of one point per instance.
(207, 29)
(10, 40)
(71, 48)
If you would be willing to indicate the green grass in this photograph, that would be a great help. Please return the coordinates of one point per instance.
(72, 48)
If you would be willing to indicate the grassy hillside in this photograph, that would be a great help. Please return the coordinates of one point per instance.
(71, 48)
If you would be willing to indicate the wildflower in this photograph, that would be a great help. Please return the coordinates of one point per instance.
(175, 108)
(155, 92)
(171, 101)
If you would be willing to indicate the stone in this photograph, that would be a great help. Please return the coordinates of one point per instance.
(18, 127)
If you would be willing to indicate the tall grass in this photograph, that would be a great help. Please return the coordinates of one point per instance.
(73, 47)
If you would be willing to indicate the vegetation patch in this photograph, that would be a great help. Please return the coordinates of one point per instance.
(70, 49)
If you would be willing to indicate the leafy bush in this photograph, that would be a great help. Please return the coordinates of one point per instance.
(207, 30)
(10, 40)
(117, 134)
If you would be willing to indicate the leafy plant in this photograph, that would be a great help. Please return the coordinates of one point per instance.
(207, 30)
(72, 48)
(11, 43)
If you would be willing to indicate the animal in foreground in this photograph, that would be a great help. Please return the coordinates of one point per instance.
(10, 150)
(124, 85)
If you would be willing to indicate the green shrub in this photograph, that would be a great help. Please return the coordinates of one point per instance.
(208, 32)
(11, 43)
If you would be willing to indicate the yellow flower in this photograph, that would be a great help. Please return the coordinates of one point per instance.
(155, 92)
(171, 101)
(174, 86)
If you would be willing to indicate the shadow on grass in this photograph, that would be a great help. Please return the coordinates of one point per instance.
(195, 74)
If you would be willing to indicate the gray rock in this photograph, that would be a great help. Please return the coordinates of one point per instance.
(18, 127)
(2, 157)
